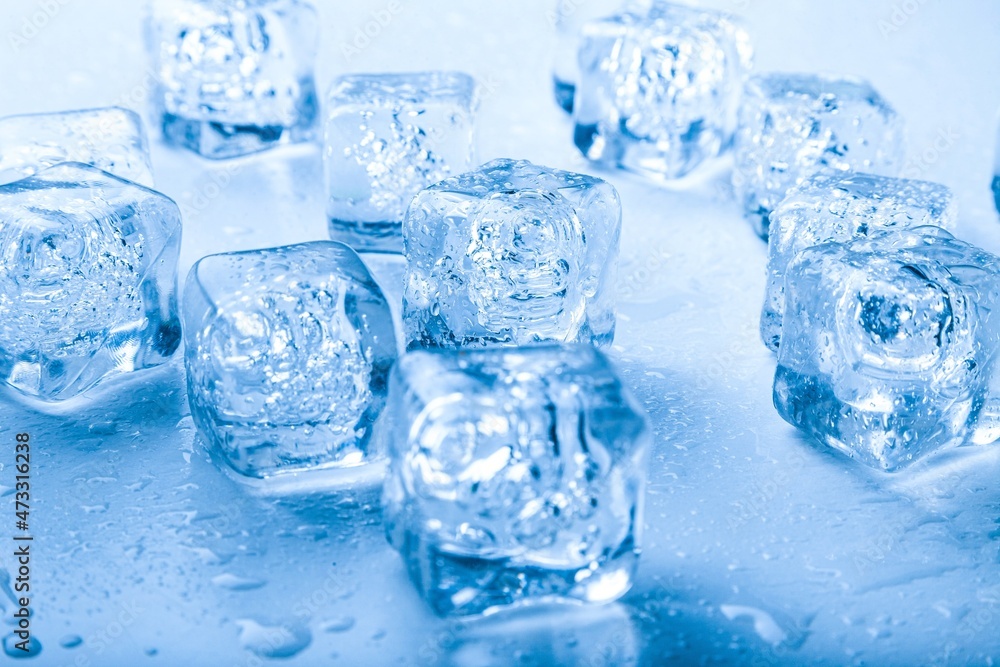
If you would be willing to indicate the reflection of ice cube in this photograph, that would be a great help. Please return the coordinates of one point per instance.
(660, 86)
(568, 19)
(288, 352)
(388, 136)
(88, 266)
(112, 139)
(234, 78)
(840, 207)
(794, 125)
(515, 476)
(511, 253)
(888, 344)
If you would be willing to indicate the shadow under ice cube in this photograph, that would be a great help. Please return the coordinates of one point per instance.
(111, 139)
(511, 254)
(234, 78)
(388, 136)
(660, 87)
(889, 344)
(516, 476)
(835, 206)
(795, 125)
(88, 269)
(288, 352)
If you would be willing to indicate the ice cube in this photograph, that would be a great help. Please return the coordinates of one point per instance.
(568, 19)
(111, 139)
(288, 352)
(515, 476)
(511, 254)
(794, 125)
(835, 206)
(889, 344)
(660, 88)
(388, 136)
(234, 77)
(88, 269)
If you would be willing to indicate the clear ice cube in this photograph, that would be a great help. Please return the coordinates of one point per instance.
(388, 136)
(835, 206)
(111, 139)
(515, 476)
(234, 76)
(660, 88)
(568, 19)
(288, 352)
(88, 269)
(511, 254)
(795, 125)
(889, 344)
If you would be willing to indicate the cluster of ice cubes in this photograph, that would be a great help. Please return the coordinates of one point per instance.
(516, 455)
(882, 321)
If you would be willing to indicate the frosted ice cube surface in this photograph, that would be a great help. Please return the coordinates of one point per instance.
(234, 77)
(288, 352)
(516, 476)
(387, 137)
(111, 139)
(889, 344)
(835, 206)
(794, 125)
(88, 270)
(660, 87)
(511, 254)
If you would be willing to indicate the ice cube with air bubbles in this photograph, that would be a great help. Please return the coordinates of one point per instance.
(234, 77)
(516, 477)
(387, 137)
(660, 87)
(111, 139)
(838, 206)
(889, 345)
(795, 125)
(511, 254)
(88, 269)
(288, 352)
(568, 18)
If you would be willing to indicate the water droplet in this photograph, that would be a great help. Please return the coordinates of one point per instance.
(339, 624)
(233, 583)
(273, 641)
(12, 646)
(71, 641)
